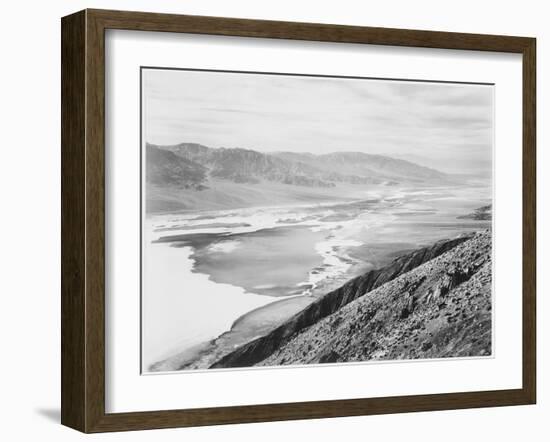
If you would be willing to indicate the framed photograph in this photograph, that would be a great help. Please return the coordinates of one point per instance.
(268, 220)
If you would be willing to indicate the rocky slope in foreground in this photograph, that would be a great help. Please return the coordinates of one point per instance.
(330, 306)
(440, 309)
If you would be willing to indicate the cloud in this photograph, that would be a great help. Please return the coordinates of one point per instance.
(319, 115)
(462, 122)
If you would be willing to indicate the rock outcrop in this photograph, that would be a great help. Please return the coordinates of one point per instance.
(258, 350)
(484, 213)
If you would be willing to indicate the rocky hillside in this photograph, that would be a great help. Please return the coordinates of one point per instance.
(439, 309)
(332, 303)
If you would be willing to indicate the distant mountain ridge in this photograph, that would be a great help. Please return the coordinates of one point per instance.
(190, 165)
(361, 164)
(165, 168)
(249, 166)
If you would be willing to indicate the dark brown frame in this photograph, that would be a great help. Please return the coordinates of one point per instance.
(83, 217)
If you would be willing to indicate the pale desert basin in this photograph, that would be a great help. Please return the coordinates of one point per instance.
(232, 275)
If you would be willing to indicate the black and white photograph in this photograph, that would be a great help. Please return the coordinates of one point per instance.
(254, 222)
(294, 220)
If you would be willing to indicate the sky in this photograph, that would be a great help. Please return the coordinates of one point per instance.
(445, 126)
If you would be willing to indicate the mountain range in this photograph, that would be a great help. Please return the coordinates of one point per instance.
(175, 172)
(190, 164)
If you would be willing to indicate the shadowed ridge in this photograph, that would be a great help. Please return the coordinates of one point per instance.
(259, 349)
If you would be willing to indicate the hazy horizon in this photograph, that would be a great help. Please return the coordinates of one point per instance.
(445, 126)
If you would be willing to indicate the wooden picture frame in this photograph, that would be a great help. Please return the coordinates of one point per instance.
(83, 220)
